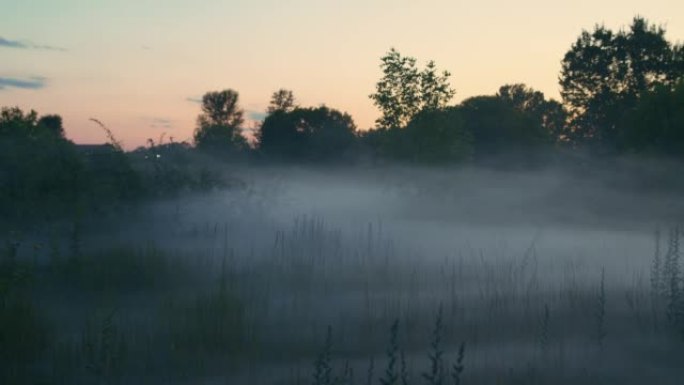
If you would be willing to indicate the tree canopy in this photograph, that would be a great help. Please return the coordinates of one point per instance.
(319, 133)
(282, 100)
(404, 90)
(548, 115)
(219, 124)
(604, 73)
(656, 124)
(498, 127)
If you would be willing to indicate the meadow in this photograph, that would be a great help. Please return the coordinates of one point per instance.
(356, 276)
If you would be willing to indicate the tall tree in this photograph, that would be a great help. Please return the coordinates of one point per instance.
(435, 91)
(219, 124)
(547, 114)
(318, 133)
(403, 91)
(282, 100)
(604, 73)
(656, 125)
(497, 127)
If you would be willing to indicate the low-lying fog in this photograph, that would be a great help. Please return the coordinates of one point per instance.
(546, 276)
(433, 214)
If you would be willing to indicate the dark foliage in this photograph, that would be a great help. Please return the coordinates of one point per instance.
(306, 134)
(219, 125)
(605, 73)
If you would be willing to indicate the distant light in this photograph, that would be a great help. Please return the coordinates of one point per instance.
(158, 156)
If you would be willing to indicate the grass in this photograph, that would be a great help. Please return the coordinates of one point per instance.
(210, 324)
(24, 329)
(600, 312)
(117, 269)
(396, 371)
(127, 313)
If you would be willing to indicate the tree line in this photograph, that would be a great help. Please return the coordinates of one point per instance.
(622, 93)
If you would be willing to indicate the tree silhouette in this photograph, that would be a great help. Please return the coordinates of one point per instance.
(497, 127)
(435, 136)
(306, 134)
(656, 125)
(403, 91)
(281, 100)
(219, 124)
(604, 73)
(547, 114)
(41, 171)
(13, 121)
(53, 123)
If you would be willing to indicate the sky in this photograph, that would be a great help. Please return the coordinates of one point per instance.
(140, 66)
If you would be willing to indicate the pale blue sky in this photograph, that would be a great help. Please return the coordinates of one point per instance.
(134, 63)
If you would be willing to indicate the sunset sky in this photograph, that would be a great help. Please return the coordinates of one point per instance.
(140, 65)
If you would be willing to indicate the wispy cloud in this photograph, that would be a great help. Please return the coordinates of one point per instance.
(27, 45)
(256, 115)
(11, 43)
(160, 123)
(33, 83)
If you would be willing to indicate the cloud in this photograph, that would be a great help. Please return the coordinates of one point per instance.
(34, 83)
(27, 45)
(256, 115)
(193, 99)
(12, 43)
(160, 123)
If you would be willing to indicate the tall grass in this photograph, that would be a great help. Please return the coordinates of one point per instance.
(396, 371)
(254, 314)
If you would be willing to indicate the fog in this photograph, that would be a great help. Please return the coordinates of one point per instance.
(546, 276)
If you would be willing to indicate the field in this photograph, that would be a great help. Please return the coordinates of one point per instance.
(393, 276)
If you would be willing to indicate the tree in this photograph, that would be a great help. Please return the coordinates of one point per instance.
(281, 100)
(13, 121)
(435, 136)
(40, 172)
(547, 114)
(499, 128)
(604, 73)
(53, 123)
(656, 125)
(404, 91)
(318, 133)
(435, 91)
(219, 124)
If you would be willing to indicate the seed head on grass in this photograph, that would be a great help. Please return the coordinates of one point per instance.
(601, 312)
(403, 376)
(672, 275)
(322, 368)
(371, 371)
(457, 368)
(391, 376)
(435, 375)
(544, 330)
(656, 268)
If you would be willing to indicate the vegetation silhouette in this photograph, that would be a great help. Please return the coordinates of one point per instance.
(219, 125)
(164, 314)
(623, 94)
(606, 73)
(306, 134)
